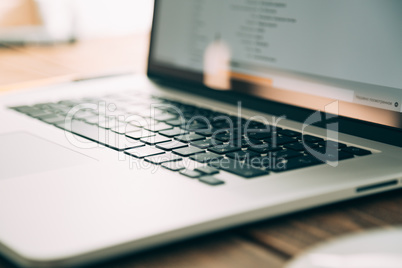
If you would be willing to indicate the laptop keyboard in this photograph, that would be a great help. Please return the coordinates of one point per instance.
(175, 132)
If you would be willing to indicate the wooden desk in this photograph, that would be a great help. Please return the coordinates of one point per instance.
(29, 66)
(265, 244)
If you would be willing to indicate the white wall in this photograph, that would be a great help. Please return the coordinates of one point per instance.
(97, 18)
(59, 20)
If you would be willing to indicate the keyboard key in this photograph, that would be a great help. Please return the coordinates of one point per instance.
(262, 161)
(280, 140)
(111, 123)
(206, 157)
(338, 157)
(247, 142)
(175, 122)
(290, 133)
(286, 154)
(121, 142)
(298, 146)
(320, 149)
(272, 159)
(91, 132)
(295, 163)
(238, 168)
(187, 151)
(45, 106)
(331, 154)
(27, 109)
(58, 107)
(190, 173)
(225, 137)
(356, 151)
(311, 139)
(53, 119)
(144, 152)
(221, 122)
(205, 132)
(259, 135)
(174, 166)
(85, 114)
(164, 117)
(276, 128)
(256, 125)
(188, 116)
(140, 134)
(207, 170)
(173, 132)
(158, 127)
(242, 155)
(195, 126)
(140, 122)
(96, 119)
(224, 149)
(163, 158)
(211, 180)
(172, 145)
(265, 148)
(333, 144)
(123, 128)
(155, 139)
(39, 113)
(100, 135)
(204, 144)
(189, 137)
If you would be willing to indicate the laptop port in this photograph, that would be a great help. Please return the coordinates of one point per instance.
(376, 186)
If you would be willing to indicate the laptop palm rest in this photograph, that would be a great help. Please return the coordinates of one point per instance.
(23, 153)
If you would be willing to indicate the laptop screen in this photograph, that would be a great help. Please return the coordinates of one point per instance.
(305, 53)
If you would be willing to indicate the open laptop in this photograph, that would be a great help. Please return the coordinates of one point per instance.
(250, 110)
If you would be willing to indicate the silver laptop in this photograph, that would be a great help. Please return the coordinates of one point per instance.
(249, 110)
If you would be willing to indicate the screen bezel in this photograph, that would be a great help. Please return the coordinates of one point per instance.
(357, 121)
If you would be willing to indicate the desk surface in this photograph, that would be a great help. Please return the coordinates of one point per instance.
(265, 244)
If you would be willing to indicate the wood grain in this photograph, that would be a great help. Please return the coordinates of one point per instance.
(30, 66)
(21, 68)
(217, 250)
(292, 234)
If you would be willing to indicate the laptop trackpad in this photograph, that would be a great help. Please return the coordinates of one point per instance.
(22, 153)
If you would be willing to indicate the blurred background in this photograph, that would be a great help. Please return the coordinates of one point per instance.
(26, 21)
(53, 41)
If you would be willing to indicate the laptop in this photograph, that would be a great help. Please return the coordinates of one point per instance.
(249, 110)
